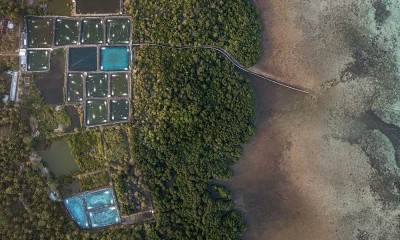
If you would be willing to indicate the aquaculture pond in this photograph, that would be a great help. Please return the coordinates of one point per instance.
(82, 59)
(100, 198)
(96, 112)
(119, 110)
(104, 217)
(74, 87)
(76, 209)
(98, 7)
(114, 58)
(40, 32)
(51, 83)
(93, 209)
(38, 60)
(67, 32)
(97, 85)
(92, 31)
(59, 7)
(119, 84)
(59, 159)
(118, 30)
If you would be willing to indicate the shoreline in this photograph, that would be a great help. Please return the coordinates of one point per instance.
(305, 175)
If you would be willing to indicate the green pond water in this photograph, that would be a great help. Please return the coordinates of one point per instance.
(59, 159)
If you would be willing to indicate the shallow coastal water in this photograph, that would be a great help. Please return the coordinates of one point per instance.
(307, 173)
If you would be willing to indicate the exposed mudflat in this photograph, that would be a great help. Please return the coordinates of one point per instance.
(325, 166)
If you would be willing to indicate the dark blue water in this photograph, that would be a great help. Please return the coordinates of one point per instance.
(82, 59)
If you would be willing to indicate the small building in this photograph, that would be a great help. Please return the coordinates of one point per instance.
(27, 81)
(10, 25)
(53, 196)
(5, 98)
(14, 85)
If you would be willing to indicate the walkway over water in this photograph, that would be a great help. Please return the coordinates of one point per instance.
(228, 56)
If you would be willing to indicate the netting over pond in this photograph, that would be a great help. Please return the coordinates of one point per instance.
(92, 31)
(118, 30)
(38, 60)
(66, 32)
(40, 32)
(93, 209)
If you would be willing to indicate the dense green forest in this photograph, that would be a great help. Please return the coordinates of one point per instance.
(233, 25)
(192, 112)
(26, 212)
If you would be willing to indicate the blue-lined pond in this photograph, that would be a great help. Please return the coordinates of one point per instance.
(93, 209)
(114, 58)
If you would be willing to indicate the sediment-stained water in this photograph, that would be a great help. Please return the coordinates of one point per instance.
(307, 173)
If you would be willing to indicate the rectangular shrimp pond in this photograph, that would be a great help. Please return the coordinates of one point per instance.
(98, 57)
(75, 87)
(82, 59)
(38, 60)
(92, 31)
(98, 7)
(40, 32)
(93, 209)
(118, 30)
(114, 58)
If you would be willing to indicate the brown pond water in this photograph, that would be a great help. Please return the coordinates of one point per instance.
(59, 159)
(98, 6)
(51, 83)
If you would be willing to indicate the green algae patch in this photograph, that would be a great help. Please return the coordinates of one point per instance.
(380, 150)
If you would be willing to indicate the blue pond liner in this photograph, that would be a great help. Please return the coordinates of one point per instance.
(114, 58)
(104, 217)
(76, 209)
(94, 209)
(99, 199)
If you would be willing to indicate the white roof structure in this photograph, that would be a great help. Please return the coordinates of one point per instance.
(13, 90)
(10, 25)
(5, 99)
